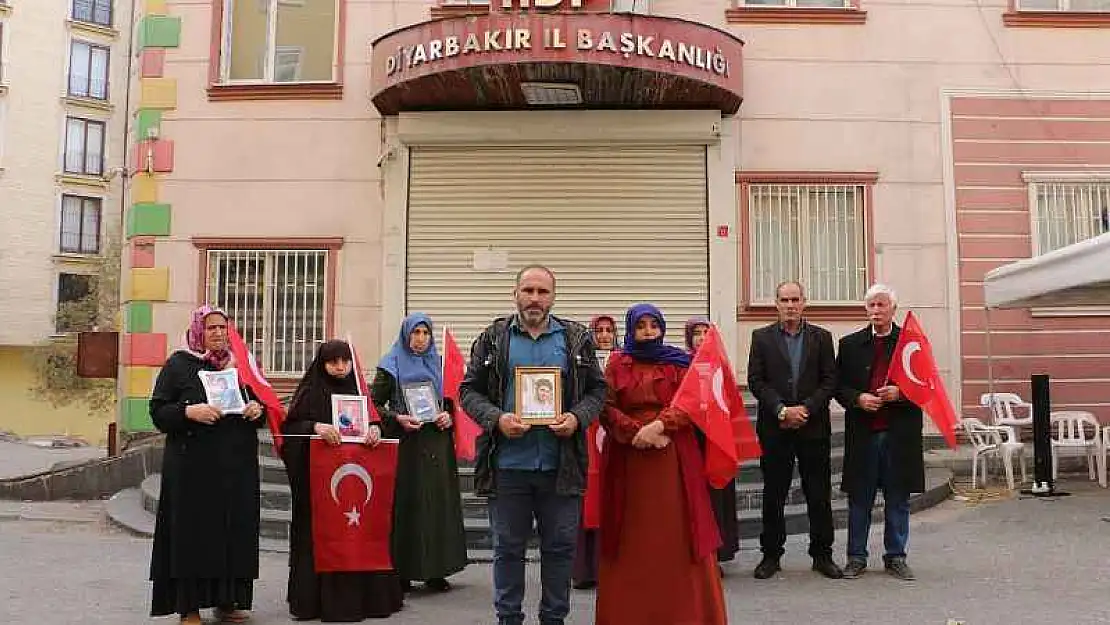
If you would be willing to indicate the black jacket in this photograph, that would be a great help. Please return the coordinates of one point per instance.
(853, 366)
(770, 379)
(481, 393)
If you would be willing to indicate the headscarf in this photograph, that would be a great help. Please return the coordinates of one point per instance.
(194, 338)
(654, 351)
(691, 324)
(598, 319)
(405, 365)
(313, 395)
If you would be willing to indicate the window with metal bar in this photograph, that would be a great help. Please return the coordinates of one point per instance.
(88, 70)
(93, 11)
(807, 4)
(84, 147)
(1065, 6)
(277, 299)
(813, 233)
(80, 229)
(1068, 211)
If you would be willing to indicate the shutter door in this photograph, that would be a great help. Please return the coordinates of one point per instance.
(617, 225)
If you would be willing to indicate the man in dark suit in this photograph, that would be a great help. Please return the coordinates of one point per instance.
(882, 438)
(792, 372)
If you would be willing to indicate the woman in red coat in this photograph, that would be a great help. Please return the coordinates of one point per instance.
(658, 534)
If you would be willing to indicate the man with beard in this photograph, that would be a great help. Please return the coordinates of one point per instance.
(532, 472)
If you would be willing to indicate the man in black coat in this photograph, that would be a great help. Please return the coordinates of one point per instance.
(882, 438)
(792, 372)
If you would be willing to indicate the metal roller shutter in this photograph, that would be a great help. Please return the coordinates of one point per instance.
(617, 224)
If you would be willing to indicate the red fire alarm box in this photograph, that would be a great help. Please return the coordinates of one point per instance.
(722, 231)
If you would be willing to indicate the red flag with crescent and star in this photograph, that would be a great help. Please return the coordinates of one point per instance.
(454, 367)
(708, 393)
(351, 488)
(360, 379)
(591, 503)
(250, 375)
(914, 371)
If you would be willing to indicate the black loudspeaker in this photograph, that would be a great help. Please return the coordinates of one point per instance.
(1042, 446)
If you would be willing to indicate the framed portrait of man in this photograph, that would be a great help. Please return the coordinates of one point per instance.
(539, 394)
(221, 389)
(349, 415)
(421, 400)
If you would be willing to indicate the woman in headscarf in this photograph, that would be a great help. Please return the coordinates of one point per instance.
(205, 551)
(723, 499)
(429, 542)
(584, 575)
(339, 596)
(658, 537)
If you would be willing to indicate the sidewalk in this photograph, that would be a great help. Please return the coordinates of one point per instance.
(27, 457)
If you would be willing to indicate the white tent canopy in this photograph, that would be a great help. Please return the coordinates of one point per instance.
(1076, 275)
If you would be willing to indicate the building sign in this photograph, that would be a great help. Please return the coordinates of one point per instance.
(623, 44)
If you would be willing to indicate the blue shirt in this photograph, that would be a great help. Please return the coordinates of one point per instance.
(794, 344)
(538, 449)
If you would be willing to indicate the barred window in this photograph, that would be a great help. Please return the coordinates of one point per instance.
(80, 231)
(809, 4)
(93, 11)
(277, 299)
(813, 233)
(1068, 211)
(1065, 6)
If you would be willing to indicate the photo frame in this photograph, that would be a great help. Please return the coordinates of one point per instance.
(221, 389)
(422, 401)
(351, 416)
(539, 394)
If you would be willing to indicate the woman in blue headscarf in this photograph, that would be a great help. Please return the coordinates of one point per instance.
(658, 536)
(429, 542)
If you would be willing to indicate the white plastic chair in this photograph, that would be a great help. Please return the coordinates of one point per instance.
(1070, 432)
(998, 441)
(1002, 407)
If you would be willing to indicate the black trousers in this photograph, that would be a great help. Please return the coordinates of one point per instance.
(777, 463)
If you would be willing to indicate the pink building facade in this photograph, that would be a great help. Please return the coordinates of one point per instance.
(322, 167)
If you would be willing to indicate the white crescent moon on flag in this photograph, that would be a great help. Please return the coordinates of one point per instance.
(351, 469)
(907, 356)
(719, 390)
(600, 439)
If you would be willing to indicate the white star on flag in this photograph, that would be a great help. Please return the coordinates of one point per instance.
(352, 516)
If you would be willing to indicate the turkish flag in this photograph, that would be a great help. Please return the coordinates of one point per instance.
(591, 506)
(454, 367)
(250, 375)
(360, 378)
(914, 370)
(351, 486)
(709, 394)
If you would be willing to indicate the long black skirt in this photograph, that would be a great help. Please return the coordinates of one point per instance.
(342, 597)
(724, 509)
(186, 596)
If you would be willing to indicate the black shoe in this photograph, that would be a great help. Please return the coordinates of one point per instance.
(438, 585)
(585, 584)
(767, 568)
(825, 566)
(854, 569)
(897, 567)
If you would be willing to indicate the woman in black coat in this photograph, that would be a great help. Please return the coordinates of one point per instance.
(205, 551)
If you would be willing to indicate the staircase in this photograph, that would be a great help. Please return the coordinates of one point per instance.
(134, 509)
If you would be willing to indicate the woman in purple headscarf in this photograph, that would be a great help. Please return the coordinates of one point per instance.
(658, 536)
(723, 499)
(205, 551)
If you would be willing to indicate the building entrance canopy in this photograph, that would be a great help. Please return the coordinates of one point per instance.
(535, 60)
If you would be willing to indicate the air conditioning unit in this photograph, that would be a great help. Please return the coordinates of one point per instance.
(630, 6)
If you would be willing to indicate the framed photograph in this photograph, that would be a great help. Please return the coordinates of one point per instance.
(351, 417)
(221, 388)
(539, 394)
(603, 358)
(421, 400)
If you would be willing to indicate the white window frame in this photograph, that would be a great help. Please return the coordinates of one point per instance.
(84, 204)
(90, 47)
(809, 280)
(3, 52)
(1062, 6)
(243, 304)
(793, 4)
(1034, 180)
(271, 49)
(85, 147)
(92, 16)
